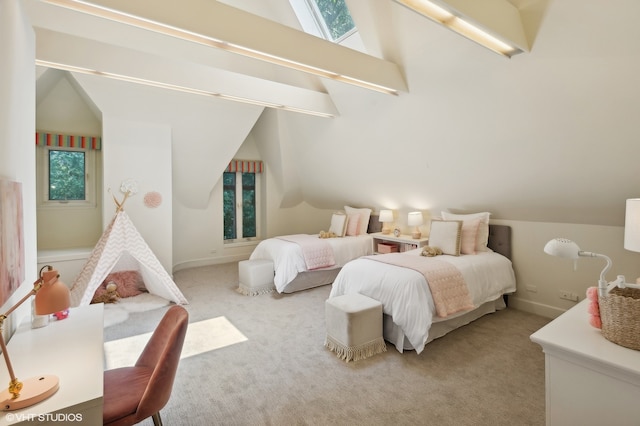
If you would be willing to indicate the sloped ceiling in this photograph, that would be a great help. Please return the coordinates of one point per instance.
(549, 135)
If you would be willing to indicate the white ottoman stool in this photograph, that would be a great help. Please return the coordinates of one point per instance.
(256, 277)
(354, 326)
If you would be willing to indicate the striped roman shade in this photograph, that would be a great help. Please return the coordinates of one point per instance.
(244, 166)
(68, 141)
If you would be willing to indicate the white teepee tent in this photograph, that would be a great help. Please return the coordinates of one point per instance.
(122, 248)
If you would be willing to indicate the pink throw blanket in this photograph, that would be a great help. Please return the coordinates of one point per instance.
(448, 288)
(317, 253)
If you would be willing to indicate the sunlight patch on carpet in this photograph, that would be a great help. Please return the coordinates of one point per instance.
(202, 336)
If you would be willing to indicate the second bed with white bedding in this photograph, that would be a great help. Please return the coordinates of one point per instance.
(289, 261)
(405, 295)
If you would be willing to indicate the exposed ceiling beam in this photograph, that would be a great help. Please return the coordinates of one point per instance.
(217, 25)
(75, 54)
(495, 24)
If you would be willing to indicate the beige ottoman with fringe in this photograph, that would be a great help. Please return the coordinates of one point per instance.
(256, 277)
(354, 327)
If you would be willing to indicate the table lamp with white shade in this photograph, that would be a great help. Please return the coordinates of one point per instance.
(386, 217)
(51, 296)
(415, 219)
(632, 226)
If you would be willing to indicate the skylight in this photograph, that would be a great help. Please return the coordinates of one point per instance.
(328, 19)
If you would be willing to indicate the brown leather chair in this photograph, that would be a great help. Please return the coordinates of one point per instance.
(132, 394)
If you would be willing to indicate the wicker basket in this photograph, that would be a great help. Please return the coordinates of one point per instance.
(620, 315)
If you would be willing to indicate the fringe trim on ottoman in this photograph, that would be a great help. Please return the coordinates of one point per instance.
(356, 353)
(256, 291)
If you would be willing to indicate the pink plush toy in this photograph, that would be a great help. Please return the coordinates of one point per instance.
(594, 308)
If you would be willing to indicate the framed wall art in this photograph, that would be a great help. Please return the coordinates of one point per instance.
(12, 263)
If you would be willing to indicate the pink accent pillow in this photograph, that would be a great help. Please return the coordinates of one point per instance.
(353, 225)
(365, 215)
(128, 283)
(483, 228)
(469, 234)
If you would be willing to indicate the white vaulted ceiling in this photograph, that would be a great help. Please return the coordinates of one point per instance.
(549, 135)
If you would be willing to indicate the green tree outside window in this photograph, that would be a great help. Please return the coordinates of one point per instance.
(232, 211)
(336, 16)
(66, 175)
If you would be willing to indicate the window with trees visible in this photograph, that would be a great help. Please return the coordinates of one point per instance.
(241, 205)
(67, 177)
(335, 16)
(67, 171)
(329, 19)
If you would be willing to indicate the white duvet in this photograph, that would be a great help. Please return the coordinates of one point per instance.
(405, 295)
(289, 261)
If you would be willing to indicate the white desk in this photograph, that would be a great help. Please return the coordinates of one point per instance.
(71, 349)
(589, 380)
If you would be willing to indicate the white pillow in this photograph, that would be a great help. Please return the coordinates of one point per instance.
(446, 235)
(482, 238)
(364, 213)
(338, 224)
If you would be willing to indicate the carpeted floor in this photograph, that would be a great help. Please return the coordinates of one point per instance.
(260, 360)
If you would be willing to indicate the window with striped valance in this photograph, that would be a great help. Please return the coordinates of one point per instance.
(245, 166)
(68, 141)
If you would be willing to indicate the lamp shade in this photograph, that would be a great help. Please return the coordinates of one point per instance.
(415, 219)
(632, 225)
(386, 216)
(53, 296)
(562, 247)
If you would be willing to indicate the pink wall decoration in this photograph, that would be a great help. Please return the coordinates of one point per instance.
(11, 239)
(152, 199)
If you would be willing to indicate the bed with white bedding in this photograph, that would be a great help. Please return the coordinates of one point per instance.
(410, 318)
(290, 254)
(291, 271)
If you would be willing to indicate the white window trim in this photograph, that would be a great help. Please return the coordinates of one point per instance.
(90, 180)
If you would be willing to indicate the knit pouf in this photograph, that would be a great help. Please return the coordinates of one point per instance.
(256, 277)
(354, 326)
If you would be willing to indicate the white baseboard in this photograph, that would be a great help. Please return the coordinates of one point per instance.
(546, 311)
(209, 261)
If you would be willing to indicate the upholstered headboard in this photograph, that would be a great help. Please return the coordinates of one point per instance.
(374, 224)
(500, 239)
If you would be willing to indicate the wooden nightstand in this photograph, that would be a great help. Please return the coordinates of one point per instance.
(403, 242)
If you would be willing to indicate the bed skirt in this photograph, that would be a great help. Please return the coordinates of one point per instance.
(394, 335)
(311, 279)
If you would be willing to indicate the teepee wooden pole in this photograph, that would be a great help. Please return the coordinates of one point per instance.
(120, 204)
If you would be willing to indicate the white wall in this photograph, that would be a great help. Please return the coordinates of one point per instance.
(17, 129)
(62, 109)
(141, 152)
(540, 276)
